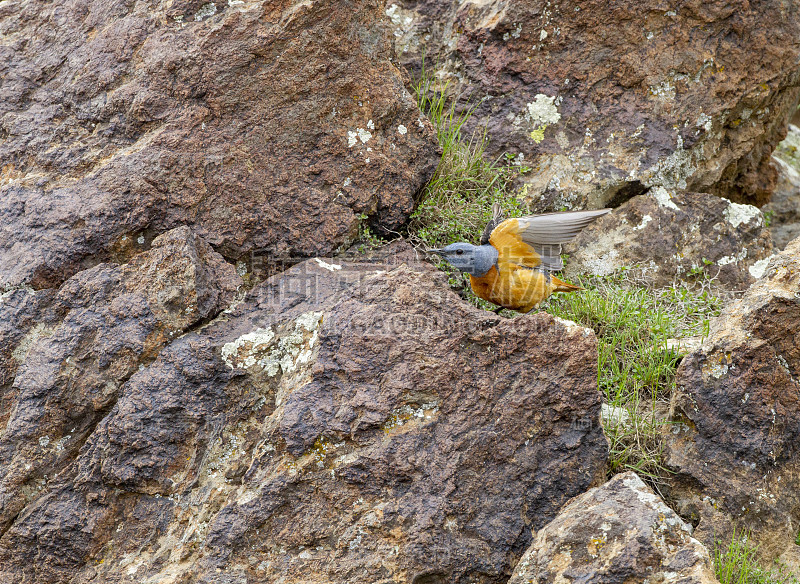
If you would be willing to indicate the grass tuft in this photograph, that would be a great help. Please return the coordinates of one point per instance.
(456, 203)
(737, 563)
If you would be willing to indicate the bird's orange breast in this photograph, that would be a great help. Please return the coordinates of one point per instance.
(512, 287)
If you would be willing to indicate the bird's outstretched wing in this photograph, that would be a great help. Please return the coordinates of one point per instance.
(542, 235)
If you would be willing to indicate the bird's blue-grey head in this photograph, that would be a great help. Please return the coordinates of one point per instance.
(472, 259)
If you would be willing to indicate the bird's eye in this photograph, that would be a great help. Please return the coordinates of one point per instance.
(459, 252)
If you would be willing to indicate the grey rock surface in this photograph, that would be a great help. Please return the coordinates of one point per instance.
(664, 236)
(783, 208)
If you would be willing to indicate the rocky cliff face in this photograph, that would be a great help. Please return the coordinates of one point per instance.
(605, 102)
(168, 417)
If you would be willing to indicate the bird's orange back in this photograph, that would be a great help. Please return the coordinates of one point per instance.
(510, 248)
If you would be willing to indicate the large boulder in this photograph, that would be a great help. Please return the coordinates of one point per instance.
(270, 126)
(618, 533)
(605, 101)
(663, 236)
(102, 326)
(344, 423)
(735, 441)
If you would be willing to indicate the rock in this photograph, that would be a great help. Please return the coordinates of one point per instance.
(783, 210)
(620, 532)
(344, 423)
(102, 326)
(604, 102)
(683, 346)
(23, 318)
(734, 443)
(269, 127)
(663, 236)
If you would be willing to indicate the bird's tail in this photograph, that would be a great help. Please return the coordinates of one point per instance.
(561, 286)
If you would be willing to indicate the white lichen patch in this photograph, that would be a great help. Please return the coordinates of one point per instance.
(241, 268)
(539, 114)
(515, 33)
(605, 265)
(327, 266)
(724, 261)
(206, 10)
(402, 130)
(542, 111)
(406, 414)
(737, 214)
(364, 135)
(645, 220)
(245, 351)
(758, 268)
(718, 366)
(664, 91)
(60, 443)
(704, 121)
(663, 198)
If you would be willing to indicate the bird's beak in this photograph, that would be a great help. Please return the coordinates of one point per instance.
(439, 252)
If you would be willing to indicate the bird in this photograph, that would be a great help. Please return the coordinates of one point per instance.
(511, 267)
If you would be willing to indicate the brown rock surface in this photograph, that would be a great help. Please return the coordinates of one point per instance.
(102, 326)
(344, 423)
(662, 236)
(735, 444)
(263, 125)
(605, 101)
(618, 533)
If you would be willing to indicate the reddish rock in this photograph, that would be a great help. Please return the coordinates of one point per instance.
(266, 126)
(605, 101)
(344, 423)
(618, 533)
(102, 326)
(734, 444)
(662, 236)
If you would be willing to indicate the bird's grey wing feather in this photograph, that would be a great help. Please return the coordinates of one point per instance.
(497, 219)
(550, 255)
(555, 228)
